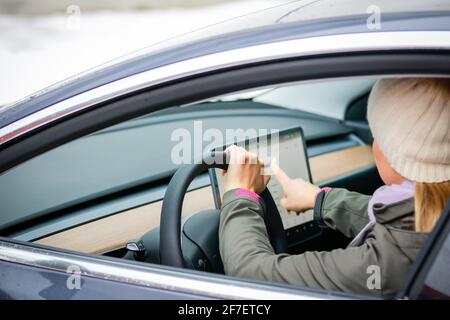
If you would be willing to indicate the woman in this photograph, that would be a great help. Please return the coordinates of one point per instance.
(409, 119)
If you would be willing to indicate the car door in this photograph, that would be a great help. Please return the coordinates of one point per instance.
(37, 272)
(53, 272)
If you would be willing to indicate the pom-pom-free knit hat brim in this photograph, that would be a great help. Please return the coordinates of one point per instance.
(410, 120)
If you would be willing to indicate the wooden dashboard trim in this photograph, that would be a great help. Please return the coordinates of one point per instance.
(113, 232)
(328, 166)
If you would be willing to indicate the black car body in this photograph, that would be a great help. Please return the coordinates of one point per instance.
(281, 48)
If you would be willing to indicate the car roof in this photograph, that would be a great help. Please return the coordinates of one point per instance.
(295, 20)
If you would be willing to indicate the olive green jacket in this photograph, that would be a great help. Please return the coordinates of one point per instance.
(375, 263)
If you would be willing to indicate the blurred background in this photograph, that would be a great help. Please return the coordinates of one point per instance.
(46, 41)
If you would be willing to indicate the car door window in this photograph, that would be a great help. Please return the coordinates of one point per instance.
(106, 188)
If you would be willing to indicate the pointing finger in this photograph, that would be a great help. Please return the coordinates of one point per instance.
(281, 176)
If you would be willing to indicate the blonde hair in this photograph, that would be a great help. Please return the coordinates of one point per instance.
(430, 199)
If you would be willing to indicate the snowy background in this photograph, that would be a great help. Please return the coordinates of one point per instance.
(41, 43)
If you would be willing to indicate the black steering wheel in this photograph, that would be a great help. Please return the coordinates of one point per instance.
(170, 228)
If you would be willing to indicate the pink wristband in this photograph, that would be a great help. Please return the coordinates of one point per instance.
(247, 193)
(324, 189)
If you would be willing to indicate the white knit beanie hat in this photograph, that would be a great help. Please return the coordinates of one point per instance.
(410, 120)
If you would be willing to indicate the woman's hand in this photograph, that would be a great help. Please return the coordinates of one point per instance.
(299, 195)
(245, 171)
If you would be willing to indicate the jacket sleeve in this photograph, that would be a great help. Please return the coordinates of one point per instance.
(344, 211)
(246, 252)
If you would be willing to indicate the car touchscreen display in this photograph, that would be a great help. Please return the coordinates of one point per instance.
(291, 155)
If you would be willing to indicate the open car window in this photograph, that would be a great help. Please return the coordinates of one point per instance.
(96, 193)
(140, 151)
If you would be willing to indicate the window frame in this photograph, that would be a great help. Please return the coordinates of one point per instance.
(423, 264)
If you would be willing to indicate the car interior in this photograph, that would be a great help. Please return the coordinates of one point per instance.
(103, 194)
(98, 193)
